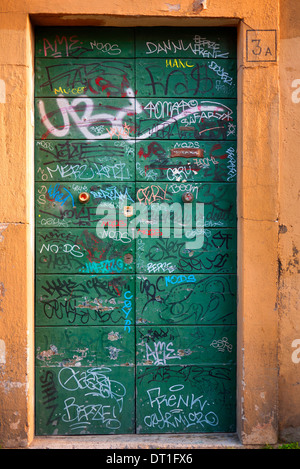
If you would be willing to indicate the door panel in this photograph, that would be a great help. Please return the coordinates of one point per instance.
(136, 240)
(69, 42)
(85, 118)
(84, 160)
(186, 134)
(186, 119)
(171, 255)
(186, 77)
(80, 251)
(84, 346)
(85, 400)
(185, 345)
(85, 336)
(80, 300)
(194, 161)
(209, 43)
(89, 77)
(76, 205)
(219, 203)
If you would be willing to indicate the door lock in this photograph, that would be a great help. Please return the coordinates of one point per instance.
(128, 211)
(187, 197)
(84, 197)
(128, 258)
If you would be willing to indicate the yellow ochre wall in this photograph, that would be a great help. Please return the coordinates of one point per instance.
(268, 380)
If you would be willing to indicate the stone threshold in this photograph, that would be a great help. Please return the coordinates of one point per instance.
(121, 442)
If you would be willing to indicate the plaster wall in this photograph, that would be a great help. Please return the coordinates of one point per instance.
(289, 219)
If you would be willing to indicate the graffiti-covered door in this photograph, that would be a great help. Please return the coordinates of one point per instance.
(135, 170)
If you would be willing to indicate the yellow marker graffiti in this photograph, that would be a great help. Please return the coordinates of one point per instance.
(178, 63)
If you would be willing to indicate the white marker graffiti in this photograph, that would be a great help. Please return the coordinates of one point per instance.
(108, 397)
(177, 408)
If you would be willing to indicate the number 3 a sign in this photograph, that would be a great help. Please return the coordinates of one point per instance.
(261, 45)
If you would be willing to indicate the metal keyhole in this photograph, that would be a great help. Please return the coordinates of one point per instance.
(84, 197)
(187, 197)
(128, 258)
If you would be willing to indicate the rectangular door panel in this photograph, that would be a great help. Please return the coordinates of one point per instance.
(175, 202)
(185, 299)
(85, 400)
(85, 118)
(178, 161)
(208, 43)
(174, 255)
(57, 43)
(85, 204)
(186, 119)
(84, 160)
(186, 399)
(80, 300)
(84, 346)
(136, 230)
(185, 345)
(186, 78)
(80, 251)
(107, 78)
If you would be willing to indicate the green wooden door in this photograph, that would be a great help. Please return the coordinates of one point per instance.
(135, 170)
